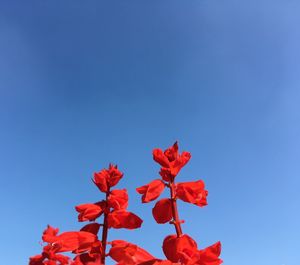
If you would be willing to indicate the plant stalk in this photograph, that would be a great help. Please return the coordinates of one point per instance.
(105, 230)
(176, 221)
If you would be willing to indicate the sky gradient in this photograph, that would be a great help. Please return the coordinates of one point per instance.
(85, 83)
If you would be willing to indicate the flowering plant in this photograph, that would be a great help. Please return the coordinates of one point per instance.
(90, 248)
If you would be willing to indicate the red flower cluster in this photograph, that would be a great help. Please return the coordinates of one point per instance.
(113, 207)
(89, 249)
(179, 248)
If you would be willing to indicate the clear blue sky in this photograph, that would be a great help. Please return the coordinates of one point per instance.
(85, 83)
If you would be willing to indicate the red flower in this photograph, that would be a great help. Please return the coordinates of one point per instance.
(123, 219)
(176, 248)
(207, 256)
(171, 161)
(107, 178)
(126, 253)
(90, 211)
(162, 211)
(118, 199)
(50, 233)
(68, 241)
(192, 192)
(152, 190)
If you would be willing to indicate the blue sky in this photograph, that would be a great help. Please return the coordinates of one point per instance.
(85, 83)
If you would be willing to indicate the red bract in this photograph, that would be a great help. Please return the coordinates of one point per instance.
(68, 241)
(207, 256)
(126, 253)
(161, 158)
(192, 192)
(176, 248)
(89, 211)
(171, 161)
(124, 219)
(152, 190)
(162, 211)
(107, 178)
(118, 199)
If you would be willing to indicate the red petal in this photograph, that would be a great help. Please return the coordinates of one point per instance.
(192, 192)
(70, 241)
(176, 247)
(126, 253)
(85, 241)
(162, 211)
(49, 234)
(160, 157)
(114, 175)
(67, 241)
(210, 255)
(123, 219)
(207, 256)
(166, 174)
(179, 163)
(100, 179)
(151, 191)
(88, 211)
(184, 158)
(172, 152)
(118, 199)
